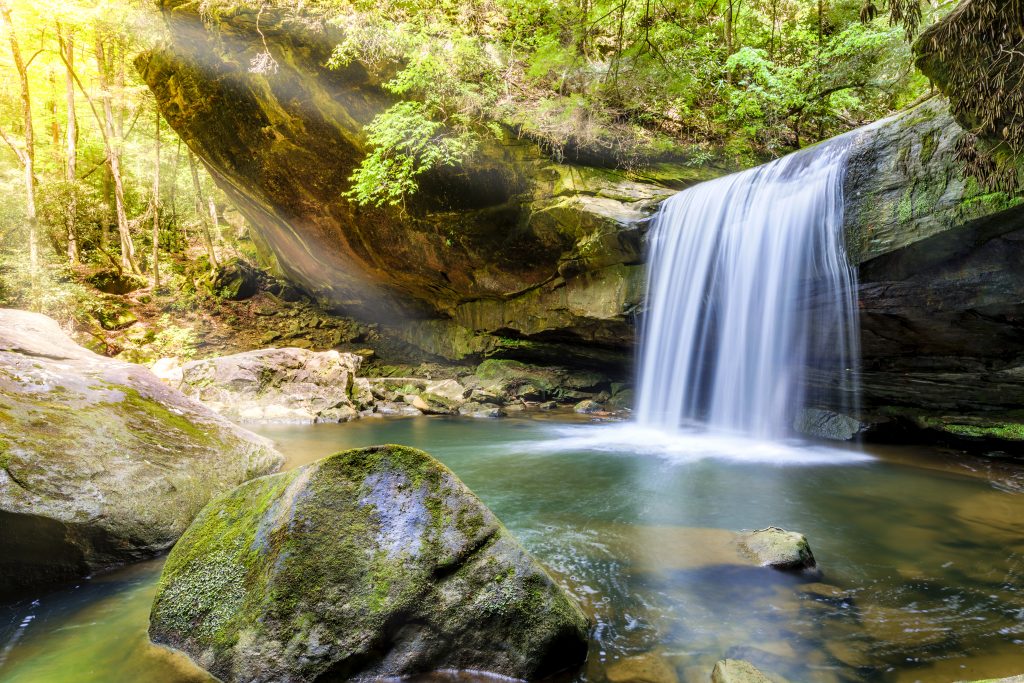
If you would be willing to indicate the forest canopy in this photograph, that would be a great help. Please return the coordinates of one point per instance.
(626, 82)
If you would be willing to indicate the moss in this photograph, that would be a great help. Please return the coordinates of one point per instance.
(342, 548)
(151, 409)
(929, 142)
(1011, 431)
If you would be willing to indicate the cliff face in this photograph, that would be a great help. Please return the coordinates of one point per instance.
(518, 252)
(512, 243)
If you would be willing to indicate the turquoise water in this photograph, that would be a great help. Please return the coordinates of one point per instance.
(922, 558)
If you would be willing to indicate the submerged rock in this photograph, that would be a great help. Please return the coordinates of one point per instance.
(369, 563)
(778, 548)
(737, 671)
(100, 463)
(650, 667)
(276, 385)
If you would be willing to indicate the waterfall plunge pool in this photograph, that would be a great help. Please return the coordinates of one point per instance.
(922, 555)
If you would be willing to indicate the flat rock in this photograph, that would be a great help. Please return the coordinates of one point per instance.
(286, 385)
(646, 668)
(100, 462)
(375, 562)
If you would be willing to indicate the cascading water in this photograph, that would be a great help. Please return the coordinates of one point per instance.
(750, 289)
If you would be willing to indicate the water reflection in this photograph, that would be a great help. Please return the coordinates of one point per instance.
(921, 567)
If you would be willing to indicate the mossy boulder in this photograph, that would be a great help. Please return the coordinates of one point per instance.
(778, 548)
(100, 463)
(113, 282)
(235, 280)
(374, 562)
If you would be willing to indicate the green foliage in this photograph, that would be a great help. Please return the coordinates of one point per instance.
(174, 340)
(623, 84)
(406, 143)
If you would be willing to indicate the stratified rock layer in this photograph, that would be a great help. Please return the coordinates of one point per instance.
(370, 563)
(100, 463)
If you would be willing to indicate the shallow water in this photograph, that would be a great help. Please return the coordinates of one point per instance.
(931, 557)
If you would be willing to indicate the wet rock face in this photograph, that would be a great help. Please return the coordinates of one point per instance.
(100, 463)
(370, 563)
(510, 242)
(941, 271)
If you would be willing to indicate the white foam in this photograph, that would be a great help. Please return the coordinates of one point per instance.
(687, 445)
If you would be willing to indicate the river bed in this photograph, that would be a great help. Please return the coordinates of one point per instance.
(921, 554)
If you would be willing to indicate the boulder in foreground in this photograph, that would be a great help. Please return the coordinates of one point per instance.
(374, 562)
(100, 463)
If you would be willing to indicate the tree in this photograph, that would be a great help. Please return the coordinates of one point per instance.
(26, 153)
(66, 40)
(155, 268)
(201, 211)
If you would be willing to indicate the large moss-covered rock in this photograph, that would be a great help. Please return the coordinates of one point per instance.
(100, 463)
(369, 563)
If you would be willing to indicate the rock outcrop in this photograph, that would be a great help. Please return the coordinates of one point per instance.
(291, 385)
(512, 243)
(941, 277)
(100, 463)
(275, 385)
(371, 563)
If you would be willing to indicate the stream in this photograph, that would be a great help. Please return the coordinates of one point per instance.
(920, 553)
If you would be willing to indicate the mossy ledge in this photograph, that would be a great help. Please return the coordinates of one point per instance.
(371, 562)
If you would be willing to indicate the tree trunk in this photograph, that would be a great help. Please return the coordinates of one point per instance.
(27, 155)
(173, 200)
(728, 27)
(128, 261)
(201, 210)
(156, 203)
(67, 46)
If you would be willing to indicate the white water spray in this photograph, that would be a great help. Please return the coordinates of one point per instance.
(749, 287)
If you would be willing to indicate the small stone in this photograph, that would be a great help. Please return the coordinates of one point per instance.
(448, 389)
(480, 410)
(548, 405)
(588, 407)
(827, 593)
(778, 548)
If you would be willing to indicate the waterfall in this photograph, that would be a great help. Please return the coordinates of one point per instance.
(749, 295)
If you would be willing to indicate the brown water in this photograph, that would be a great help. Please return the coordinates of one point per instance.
(922, 556)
